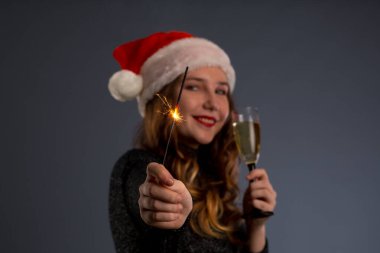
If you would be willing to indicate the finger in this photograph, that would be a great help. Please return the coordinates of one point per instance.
(260, 184)
(257, 174)
(159, 192)
(167, 224)
(178, 187)
(263, 194)
(268, 198)
(262, 205)
(157, 205)
(151, 217)
(159, 173)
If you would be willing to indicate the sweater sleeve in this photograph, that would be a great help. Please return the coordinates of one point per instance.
(129, 232)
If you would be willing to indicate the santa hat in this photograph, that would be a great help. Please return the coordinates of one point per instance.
(150, 63)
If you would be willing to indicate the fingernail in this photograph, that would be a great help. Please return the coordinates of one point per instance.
(170, 182)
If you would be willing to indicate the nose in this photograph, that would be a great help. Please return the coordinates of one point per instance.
(210, 102)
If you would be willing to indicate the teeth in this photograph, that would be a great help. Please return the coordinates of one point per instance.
(206, 120)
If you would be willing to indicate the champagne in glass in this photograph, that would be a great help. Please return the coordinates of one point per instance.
(247, 136)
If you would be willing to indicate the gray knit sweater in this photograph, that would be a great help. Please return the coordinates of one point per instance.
(129, 231)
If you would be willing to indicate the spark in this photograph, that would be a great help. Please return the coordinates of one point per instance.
(174, 113)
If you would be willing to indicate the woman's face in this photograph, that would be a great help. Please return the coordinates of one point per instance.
(204, 105)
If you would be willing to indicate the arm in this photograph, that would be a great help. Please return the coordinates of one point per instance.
(260, 194)
(123, 223)
(164, 202)
(129, 231)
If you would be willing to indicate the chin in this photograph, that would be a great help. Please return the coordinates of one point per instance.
(205, 140)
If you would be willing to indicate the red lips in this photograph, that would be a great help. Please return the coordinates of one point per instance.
(205, 120)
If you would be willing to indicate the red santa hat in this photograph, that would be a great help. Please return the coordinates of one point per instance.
(150, 63)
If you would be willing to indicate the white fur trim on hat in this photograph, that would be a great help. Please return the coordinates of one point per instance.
(170, 61)
(125, 85)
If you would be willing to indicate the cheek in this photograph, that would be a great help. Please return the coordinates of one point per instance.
(186, 106)
(185, 111)
(225, 119)
(224, 116)
(225, 110)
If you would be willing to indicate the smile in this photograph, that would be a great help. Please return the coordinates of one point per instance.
(205, 120)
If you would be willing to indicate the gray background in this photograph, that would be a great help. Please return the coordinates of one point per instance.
(312, 67)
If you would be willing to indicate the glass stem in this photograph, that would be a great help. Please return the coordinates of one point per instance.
(251, 166)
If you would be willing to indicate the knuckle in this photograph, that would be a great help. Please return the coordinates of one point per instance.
(151, 217)
(141, 189)
(154, 204)
(180, 183)
(257, 204)
(145, 217)
(140, 202)
(261, 206)
(154, 216)
(179, 198)
(149, 221)
(150, 189)
(172, 216)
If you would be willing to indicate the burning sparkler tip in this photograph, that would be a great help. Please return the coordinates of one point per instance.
(175, 114)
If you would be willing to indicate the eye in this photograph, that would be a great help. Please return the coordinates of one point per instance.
(191, 87)
(221, 92)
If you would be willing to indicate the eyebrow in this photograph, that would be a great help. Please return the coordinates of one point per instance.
(202, 80)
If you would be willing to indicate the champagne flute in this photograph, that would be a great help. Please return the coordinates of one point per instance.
(246, 127)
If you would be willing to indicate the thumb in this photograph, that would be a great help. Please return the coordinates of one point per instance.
(158, 173)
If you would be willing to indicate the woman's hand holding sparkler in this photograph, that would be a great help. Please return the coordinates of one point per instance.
(164, 201)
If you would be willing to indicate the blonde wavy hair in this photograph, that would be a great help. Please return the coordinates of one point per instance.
(210, 173)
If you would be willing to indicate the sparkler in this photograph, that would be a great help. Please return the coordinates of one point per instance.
(174, 113)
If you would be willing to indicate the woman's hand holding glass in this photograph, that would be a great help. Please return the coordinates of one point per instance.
(260, 195)
(164, 201)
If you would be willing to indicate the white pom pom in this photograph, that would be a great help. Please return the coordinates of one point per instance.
(125, 85)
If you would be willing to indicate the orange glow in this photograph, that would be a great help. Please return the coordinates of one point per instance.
(173, 113)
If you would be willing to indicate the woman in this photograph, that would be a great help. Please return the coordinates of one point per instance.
(188, 204)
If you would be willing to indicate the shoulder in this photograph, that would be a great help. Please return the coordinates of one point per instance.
(138, 155)
(133, 160)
